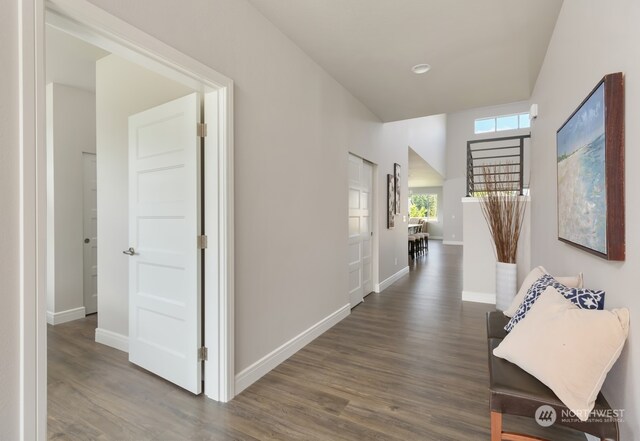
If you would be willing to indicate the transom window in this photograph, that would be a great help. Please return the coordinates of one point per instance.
(502, 123)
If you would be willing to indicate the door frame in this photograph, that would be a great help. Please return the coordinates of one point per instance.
(99, 27)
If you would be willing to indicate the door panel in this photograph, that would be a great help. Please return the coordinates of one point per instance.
(360, 269)
(90, 222)
(366, 184)
(164, 223)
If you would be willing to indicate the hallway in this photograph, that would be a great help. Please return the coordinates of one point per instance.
(407, 364)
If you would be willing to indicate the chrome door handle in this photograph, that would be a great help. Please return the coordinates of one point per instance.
(130, 251)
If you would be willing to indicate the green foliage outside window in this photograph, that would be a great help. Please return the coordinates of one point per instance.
(423, 205)
(417, 212)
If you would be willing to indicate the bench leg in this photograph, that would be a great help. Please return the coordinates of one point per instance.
(498, 435)
(496, 426)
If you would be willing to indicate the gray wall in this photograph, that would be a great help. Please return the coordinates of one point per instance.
(71, 130)
(9, 227)
(294, 125)
(435, 227)
(460, 127)
(592, 38)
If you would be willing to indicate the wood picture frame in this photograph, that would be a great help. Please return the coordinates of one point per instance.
(591, 172)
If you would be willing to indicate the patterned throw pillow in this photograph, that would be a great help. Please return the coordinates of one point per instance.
(583, 298)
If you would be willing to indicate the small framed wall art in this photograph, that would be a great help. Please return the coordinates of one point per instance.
(396, 176)
(391, 201)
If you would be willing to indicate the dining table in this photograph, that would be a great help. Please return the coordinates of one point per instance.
(414, 228)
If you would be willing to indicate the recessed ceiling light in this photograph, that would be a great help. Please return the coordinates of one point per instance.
(420, 68)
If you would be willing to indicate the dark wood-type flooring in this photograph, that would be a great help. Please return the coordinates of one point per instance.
(407, 364)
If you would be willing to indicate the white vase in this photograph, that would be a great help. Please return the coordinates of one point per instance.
(506, 284)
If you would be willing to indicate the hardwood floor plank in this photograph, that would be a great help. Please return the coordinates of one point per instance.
(408, 364)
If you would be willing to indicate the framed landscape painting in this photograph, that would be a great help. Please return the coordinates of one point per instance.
(590, 160)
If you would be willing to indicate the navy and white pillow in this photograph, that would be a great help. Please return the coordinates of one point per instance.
(583, 298)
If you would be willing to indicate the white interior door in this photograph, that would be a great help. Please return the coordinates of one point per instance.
(360, 229)
(90, 229)
(165, 327)
(366, 225)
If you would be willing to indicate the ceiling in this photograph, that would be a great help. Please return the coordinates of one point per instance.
(481, 52)
(70, 60)
(421, 174)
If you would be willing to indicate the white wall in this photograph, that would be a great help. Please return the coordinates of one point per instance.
(427, 136)
(70, 61)
(390, 145)
(436, 227)
(460, 129)
(294, 125)
(122, 89)
(9, 226)
(452, 190)
(592, 38)
(479, 256)
(71, 130)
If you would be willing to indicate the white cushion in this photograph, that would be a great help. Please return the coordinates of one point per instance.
(535, 274)
(569, 349)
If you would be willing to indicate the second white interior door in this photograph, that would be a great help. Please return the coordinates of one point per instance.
(360, 229)
(90, 229)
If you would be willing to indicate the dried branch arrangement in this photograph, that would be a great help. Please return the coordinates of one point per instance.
(503, 208)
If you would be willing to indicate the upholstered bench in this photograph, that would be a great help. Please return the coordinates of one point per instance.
(515, 392)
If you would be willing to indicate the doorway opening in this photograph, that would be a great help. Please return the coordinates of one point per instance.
(168, 191)
(71, 181)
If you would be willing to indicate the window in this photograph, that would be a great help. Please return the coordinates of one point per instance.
(486, 125)
(502, 123)
(424, 205)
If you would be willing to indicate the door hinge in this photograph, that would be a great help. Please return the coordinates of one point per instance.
(202, 130)
(202, 242)
(203, 354)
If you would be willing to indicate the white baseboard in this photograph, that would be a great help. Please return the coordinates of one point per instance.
(112, 339)
(56, 318)
(435, 238)
(478, 297)
(261, 367)
(379, 287)
(452, 242)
